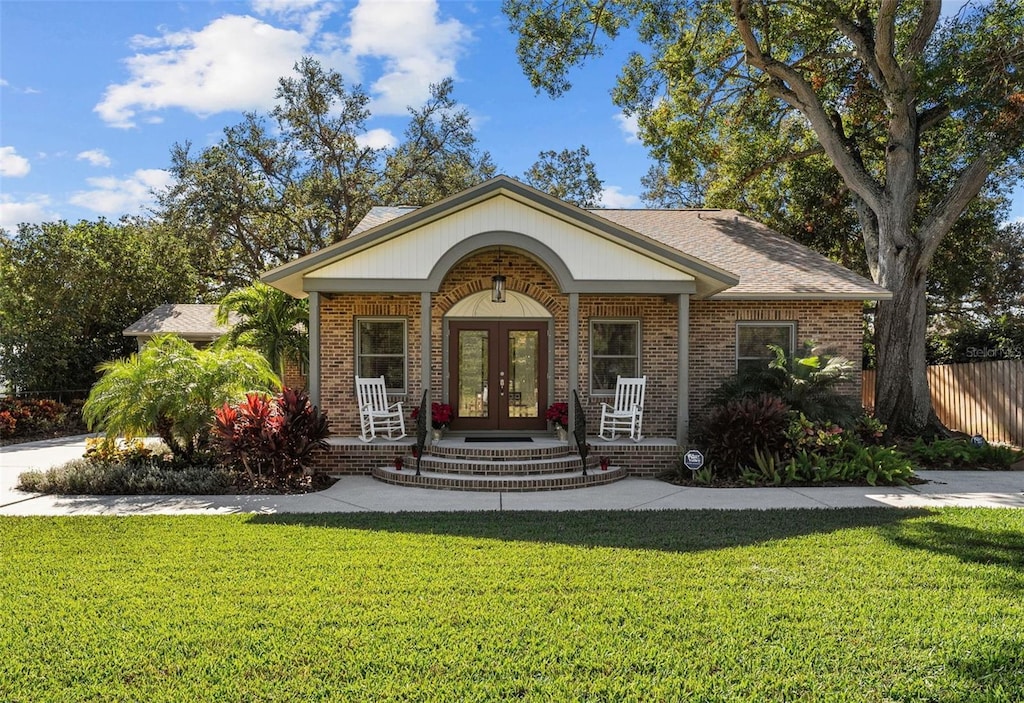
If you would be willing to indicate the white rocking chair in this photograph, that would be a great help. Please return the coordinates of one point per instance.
(627, 414)
(375, 415)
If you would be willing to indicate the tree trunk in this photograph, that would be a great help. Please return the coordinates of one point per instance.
(903, 400)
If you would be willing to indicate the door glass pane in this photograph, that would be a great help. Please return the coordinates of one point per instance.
(473, 373)
(522, 370)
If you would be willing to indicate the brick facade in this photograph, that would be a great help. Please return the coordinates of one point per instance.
(836, 324)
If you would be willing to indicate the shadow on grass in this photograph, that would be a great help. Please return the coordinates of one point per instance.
(1003, 548)
(672, 531)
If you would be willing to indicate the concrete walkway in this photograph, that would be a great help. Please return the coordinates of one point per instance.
(362, 494)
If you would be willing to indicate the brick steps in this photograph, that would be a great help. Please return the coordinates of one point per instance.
(454, 464)
(507, 483)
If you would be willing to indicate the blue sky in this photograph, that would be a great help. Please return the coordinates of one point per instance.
(94, 94)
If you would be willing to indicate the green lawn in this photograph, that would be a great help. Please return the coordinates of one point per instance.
(858, 605)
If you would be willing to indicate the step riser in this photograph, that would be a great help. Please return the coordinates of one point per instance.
(499, 468)
(482, 452)
(510, 485)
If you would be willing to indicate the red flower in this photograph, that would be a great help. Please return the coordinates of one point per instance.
(441, 415)
(558, 413)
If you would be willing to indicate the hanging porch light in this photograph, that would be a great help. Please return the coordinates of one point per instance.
(498, 283)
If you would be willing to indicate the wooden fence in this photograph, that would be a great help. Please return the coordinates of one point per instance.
(985, 398)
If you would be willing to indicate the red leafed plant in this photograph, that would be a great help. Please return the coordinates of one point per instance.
(558, 413)
(271, 437)
(441, 415)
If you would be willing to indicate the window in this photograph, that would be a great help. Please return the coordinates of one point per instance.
(614, 352)
(380, 351)
(753, 338)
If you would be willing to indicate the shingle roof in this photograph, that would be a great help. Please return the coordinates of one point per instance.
(191, 321)
(766, 262)
(379, 215)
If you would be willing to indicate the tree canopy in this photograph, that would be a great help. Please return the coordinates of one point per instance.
(568, 174)
(271, 322)
(915, 115)
(67, 291)
(279, 186)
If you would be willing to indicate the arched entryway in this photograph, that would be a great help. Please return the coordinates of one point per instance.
(498, 359)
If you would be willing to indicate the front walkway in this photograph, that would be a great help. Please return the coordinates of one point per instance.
(363, 494)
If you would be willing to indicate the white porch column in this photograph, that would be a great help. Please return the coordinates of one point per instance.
(313, 380)
(425, 360)
(683, 371)
(574, 358)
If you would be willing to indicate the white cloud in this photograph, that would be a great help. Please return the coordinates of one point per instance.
(415, 47)
(96, 157)
(231, 64)
(630, 126)
(613, 197)
(32, 209)
(3, 83)
(310, 14)
(119, 196)
(235, 61)
(377, 139)
(12, 165)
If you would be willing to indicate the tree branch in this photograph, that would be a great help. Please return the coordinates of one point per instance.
(943, 216)
(788, 85)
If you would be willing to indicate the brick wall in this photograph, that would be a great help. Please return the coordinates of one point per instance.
(338, 313)
(836, 324)
(659, 357)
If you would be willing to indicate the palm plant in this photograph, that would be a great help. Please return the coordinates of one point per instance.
(170, 388)
(806, 384)
(269, 321)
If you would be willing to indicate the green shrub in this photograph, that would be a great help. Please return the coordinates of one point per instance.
(119, 451)
(149, 476)
(961, 454)
(171, 388)
(806, 384)
(735, 430)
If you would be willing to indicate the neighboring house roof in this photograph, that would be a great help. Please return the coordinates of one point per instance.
(731, 255)
(189, 321)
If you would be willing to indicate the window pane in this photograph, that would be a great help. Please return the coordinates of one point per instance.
(473, 357)
(754, 340)
(392, 368)
(378, 337)
(614, 339)
(606, 372)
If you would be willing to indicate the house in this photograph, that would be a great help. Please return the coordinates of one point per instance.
(198, 324)
(683, 297)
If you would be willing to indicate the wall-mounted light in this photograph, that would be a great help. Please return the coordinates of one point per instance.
(498, 283)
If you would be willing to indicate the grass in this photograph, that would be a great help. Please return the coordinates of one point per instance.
(838, 605)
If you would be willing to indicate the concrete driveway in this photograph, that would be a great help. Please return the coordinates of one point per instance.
(1004, 489)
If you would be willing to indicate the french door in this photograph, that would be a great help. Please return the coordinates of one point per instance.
(498, 374)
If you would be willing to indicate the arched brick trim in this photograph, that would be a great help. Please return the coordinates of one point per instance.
(445, 302)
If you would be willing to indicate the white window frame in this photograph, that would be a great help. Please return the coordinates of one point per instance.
(405, 349)
(639, 349)
(756, 323)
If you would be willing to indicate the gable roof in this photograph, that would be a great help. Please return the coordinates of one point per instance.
(768, 264)
(189, 321)
(729, 255)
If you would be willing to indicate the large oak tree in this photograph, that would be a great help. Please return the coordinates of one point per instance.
(890, 94)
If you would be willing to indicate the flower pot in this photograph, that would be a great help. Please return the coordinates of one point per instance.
(399, 463)
(605, 462)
